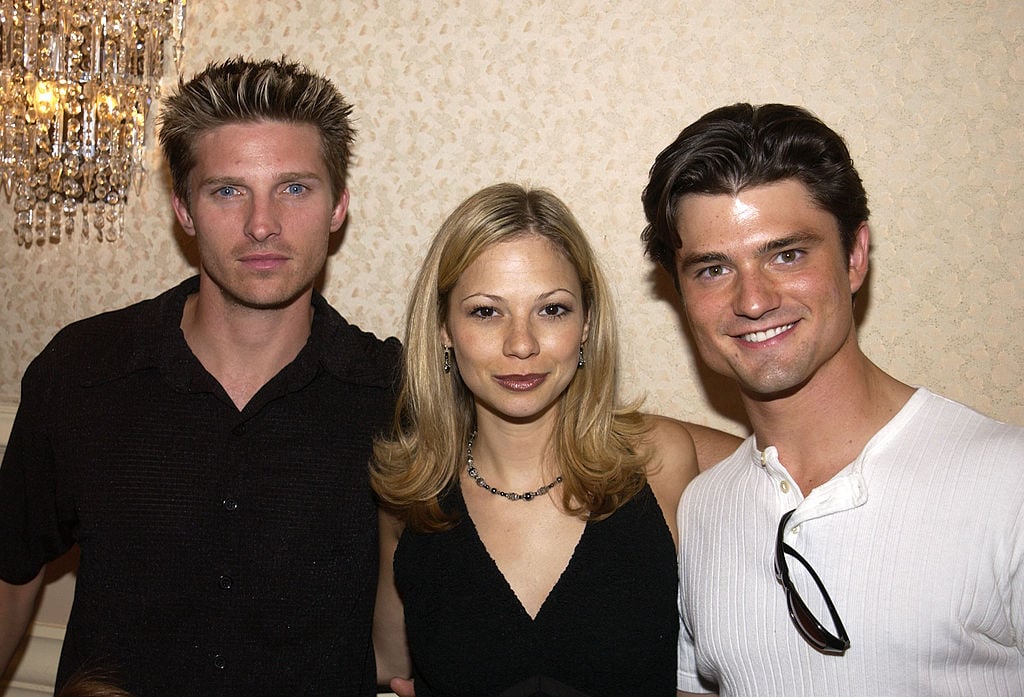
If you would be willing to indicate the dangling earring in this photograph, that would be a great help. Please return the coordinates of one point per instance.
(447, 367)
(582, 361)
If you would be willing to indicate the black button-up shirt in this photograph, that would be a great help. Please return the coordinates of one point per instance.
(222, 552)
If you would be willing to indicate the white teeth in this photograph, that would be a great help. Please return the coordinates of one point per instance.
(758, 337)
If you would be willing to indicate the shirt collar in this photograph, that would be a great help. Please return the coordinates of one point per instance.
(153, 340)
(846, 490)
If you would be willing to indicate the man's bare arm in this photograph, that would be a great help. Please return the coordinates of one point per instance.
(17, 605)
(711, 444)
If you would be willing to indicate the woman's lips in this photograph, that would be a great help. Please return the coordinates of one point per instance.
(520, 383)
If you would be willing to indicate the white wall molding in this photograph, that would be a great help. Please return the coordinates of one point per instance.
(37, 663)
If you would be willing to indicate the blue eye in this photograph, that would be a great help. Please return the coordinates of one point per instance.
(296, 188)
(226, 191)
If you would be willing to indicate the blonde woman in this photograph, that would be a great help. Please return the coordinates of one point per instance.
(530, 517)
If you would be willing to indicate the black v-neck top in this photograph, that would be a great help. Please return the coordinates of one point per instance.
(607, 628)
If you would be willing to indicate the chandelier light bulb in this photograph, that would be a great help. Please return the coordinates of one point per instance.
(76, 81)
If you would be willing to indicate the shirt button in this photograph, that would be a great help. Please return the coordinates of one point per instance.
(218, 662)
(225, 582)
(784, 485)
(230, 504)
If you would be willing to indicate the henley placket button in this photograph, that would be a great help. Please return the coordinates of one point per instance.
(219, 662)
(225, 582)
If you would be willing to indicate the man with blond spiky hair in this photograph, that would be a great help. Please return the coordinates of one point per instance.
(210, 455)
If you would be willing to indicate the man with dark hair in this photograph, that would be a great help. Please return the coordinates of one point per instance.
(868, 538)
(207, 449)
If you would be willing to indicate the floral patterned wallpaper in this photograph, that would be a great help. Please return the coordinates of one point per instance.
(579, 97)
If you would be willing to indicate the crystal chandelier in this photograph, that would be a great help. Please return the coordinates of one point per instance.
(77, 78)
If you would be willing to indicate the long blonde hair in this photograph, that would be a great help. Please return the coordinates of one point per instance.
(597, 443)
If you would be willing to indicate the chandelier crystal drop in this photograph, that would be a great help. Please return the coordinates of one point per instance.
(77, 78)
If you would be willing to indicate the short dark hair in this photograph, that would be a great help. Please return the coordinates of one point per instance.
(742, 146)
(245, 91)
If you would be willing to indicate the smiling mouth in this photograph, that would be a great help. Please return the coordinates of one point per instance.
(758, 337)
(520, 383)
